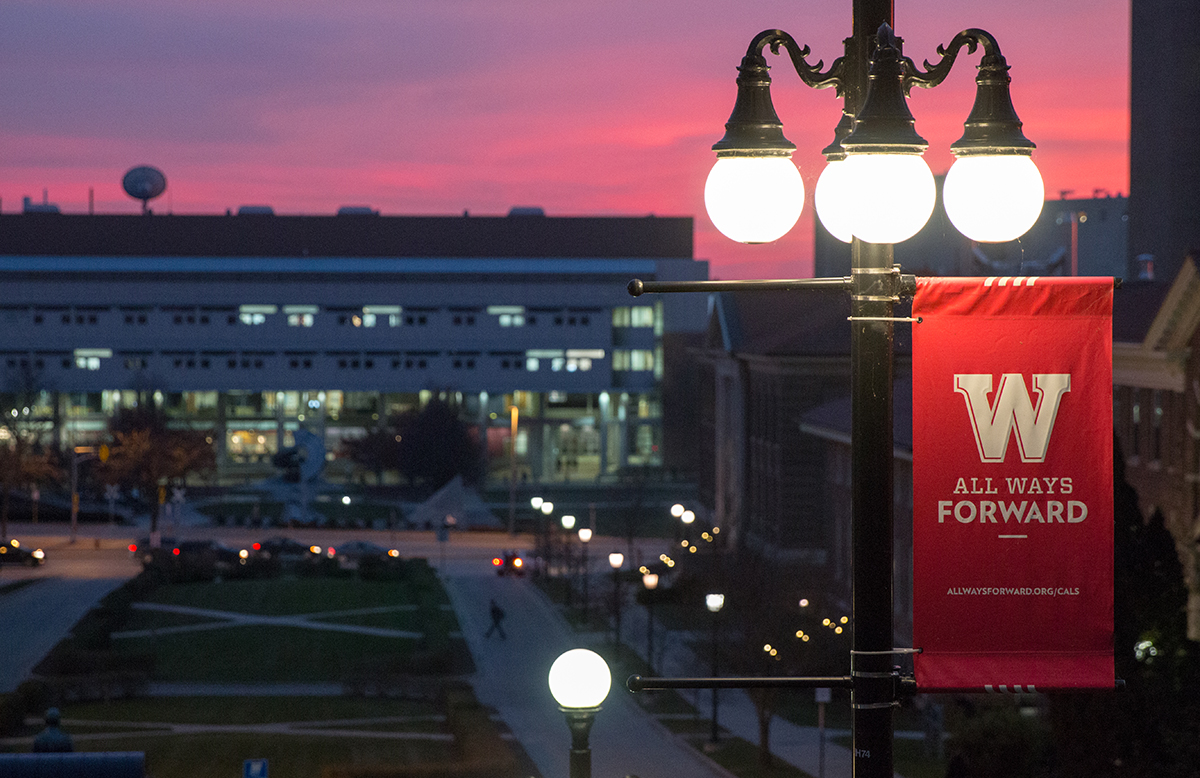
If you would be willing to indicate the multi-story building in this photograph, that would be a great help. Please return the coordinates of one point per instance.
(255, 325)
(1156, 409)
(1164, 112)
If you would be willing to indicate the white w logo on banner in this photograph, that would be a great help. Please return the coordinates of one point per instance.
(994, 423)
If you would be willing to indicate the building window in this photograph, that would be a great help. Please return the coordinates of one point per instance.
(300, 319)
(633, 359)
(255, 314)
(633, 316)
(1156, 430)
(1135, 432)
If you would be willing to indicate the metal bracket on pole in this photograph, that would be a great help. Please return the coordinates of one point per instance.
(638, 683)
(638, 287)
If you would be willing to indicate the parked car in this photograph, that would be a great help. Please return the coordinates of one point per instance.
(353, 553)
(284, 550)
(13, 554)
(142, 551)
(196, 560)
(509, 563)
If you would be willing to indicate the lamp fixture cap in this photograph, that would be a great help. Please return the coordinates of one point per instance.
(754, 129)
(885, 125)
(992, 128)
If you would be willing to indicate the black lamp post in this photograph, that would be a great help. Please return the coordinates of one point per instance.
(585, 537)
(615, 560)
(579, 681)
(568, 524)
(714, 602)
(875, 191)
(650, 581)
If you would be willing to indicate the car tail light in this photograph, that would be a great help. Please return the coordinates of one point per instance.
(497, 561)
(133, 548)
(331, 552)
(175, 552)
(257, 546)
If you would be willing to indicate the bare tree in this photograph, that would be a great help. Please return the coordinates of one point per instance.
(25, 457)
(147, 455)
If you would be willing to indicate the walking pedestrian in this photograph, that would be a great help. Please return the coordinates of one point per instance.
(497, 617)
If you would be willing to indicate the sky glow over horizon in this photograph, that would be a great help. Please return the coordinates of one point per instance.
(417, 107)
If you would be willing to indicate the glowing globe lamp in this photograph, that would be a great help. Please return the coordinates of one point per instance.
(832, 198)
(894, 195)
(993, 198)
(580, 678)
(754, 199)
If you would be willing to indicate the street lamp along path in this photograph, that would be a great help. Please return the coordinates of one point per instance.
(877, 186)
(879, 192)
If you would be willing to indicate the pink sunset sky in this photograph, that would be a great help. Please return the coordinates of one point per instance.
(439, 107)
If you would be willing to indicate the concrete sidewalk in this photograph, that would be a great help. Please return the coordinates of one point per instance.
(511, 676)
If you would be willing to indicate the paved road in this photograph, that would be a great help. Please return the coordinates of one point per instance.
(512, 677)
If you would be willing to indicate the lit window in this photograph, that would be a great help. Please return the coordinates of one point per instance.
(620, 316)
(557, 364)
(255, 314)
(531, 364)
(300, 319)
(633, 359)
(641, 316)
(89, 358)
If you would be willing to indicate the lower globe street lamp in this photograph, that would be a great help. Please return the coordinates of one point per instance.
(714, 602)
(615, 560)
(579, 682)
(650, 581)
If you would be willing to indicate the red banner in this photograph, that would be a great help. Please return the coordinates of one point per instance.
(1013, 484)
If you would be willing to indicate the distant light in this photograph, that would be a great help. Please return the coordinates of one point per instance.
(536, 502)
(677, 510)
(688, 517)
(714, 602)
(803, 602)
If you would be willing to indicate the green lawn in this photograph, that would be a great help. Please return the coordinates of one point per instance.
(292, 654)
(247, 710)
